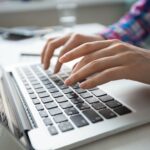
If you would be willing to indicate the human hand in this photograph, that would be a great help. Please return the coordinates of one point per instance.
(68, 42)
(108, 60)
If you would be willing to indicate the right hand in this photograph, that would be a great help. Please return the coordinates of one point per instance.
(68, 42)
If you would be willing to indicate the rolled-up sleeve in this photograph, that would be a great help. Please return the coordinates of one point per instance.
(134, 27)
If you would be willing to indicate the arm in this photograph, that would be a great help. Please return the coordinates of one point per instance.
(134, 27)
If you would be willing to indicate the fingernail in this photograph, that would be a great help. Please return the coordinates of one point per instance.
(64, 58)
(45, 67)
(61, 59)
(67, 81)
(83, 85)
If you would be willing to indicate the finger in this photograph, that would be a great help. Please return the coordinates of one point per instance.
(92, 68)
(106, 52)
(84, 49)
(51, 47)
(108, 75)
(42, 55)
(69, 45)
(45, 47)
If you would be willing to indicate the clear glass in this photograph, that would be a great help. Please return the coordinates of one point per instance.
(67, 12)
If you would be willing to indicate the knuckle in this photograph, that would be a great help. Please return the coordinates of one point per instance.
(77, 36)
(116, 41)
(129, 54)
(94, 64)
(87, 46)
(85, 60)
(120, 46)
(51, 45)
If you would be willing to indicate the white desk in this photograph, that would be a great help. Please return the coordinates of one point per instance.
(134, 139)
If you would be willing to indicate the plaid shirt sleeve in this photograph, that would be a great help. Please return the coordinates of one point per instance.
(134, 27)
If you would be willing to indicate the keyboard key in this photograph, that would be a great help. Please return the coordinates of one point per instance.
(43, 78)
(51, 105)
(52, 130)
(46, 99)
(92, 115)
(39, 107)
(64, 78)
(76, 86)
(105, 98)
(35, 82)
(28, 87)
(53, 90)
(98, 105)
(91, 100)
(65, 126)
(86, 95)
(42, 95)
(63, 87)
(47, 121)
(65, 105)
(108, 114)
(36, 101)
(82, 106)
(80, 91)
(122, 110)
(30, 91)
(66, 91)
(57, 94)
(49, 72)
(33, 96)
(93, 89)
(55, 78)
(46, 82)
(40, 90)
(43, 113)
(61, 99)
(55, 111)
(77, 100)
(59, 83)
(49, 86)
(79, 121)
(113, 104)
(71, 95)
(60, 118)
(98, 93)
(71, 111)
(38, 86)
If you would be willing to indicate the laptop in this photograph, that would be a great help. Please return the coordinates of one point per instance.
(48, 115)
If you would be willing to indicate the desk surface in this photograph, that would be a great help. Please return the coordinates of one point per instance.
(137, 138)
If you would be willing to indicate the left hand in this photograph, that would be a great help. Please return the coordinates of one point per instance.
(108, 60)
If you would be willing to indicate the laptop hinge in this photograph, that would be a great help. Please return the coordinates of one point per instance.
(20, 122)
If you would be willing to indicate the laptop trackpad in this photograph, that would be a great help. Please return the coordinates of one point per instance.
(134, 94)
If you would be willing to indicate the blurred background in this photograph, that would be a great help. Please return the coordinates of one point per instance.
(45, 12)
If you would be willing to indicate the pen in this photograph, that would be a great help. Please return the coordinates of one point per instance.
(34, 54)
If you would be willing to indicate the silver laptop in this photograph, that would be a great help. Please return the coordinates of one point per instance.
(49, 115)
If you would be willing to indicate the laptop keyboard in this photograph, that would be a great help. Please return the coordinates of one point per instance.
(64, 108)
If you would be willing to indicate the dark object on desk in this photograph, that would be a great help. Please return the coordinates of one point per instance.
(16, 36)
(21, 33)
